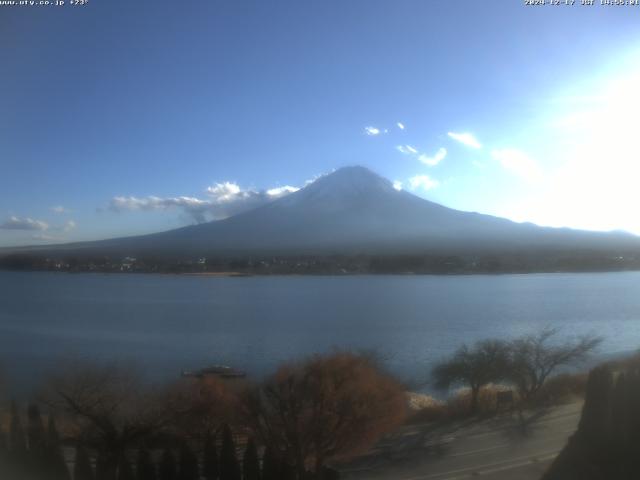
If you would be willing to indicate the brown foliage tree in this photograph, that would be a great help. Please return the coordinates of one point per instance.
(197, 408)
(326, 407)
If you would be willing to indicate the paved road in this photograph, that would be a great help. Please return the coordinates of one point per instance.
(497, 449)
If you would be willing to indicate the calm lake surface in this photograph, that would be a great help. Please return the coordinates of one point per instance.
(167, 323)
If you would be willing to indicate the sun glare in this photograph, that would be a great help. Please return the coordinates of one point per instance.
(592, 169)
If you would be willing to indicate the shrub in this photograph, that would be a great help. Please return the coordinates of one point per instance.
(562, 388)
(424, 408)
(458, 405)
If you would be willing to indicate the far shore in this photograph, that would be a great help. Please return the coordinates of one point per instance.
(215, 274)
(324, 274)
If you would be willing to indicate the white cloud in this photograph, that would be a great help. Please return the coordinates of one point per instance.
(466, 139)
(18, 223)
(59, 209)
(226, 192)
(397, 184)
(400, 125)
(280, 191)
(194, 207)
(371, 131)
(436, 159)
(519, 163)
(154, 203)
(223, 200)
(422, 181)
(30, 224)
(407, 149)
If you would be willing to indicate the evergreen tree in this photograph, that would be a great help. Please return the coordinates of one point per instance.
(125, 472)
(328, 473)
(287, 472)
(251, 462)
(210, 465)
(188, 464)
(270, 465)
(17, 448)
(17, 443)
(3, 447)
(145, 468)
(167, 469)
(105, 470)
(229, 466)
(82, 469)
(56, 463)
(36, 437)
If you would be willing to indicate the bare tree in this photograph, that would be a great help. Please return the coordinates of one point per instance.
(329, 406)
(474, 367)
(533, 358)
(108, 406)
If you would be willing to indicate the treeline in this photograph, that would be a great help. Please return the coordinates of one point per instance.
(291, 426)
(527, 262)
(36, 453)
(33, 453)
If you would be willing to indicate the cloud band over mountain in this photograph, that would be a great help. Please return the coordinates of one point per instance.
(222, 200)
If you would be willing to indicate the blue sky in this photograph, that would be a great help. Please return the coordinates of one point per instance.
(123, 117)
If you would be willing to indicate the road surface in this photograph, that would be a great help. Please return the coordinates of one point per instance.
(500, 448)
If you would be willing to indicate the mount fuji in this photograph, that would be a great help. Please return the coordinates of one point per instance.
(354, 211)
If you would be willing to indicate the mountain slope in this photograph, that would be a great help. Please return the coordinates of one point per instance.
(353, 210)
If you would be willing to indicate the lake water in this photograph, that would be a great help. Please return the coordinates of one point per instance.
(168, 323)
